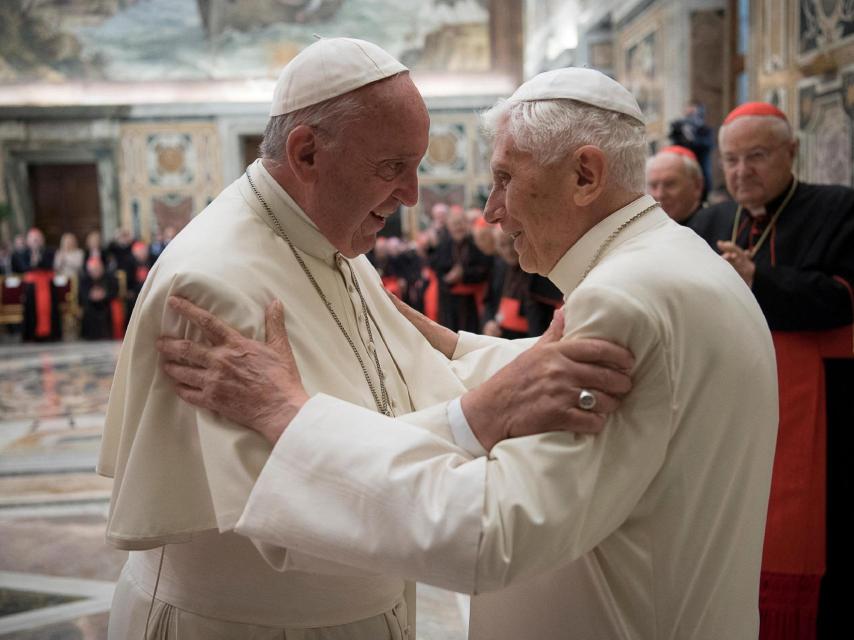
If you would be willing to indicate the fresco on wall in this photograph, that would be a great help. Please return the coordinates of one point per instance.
(823, 24)
(148, 40)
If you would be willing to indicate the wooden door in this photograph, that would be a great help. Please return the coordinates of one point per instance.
(65, 199)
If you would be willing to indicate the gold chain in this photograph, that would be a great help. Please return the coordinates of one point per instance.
(737, 219)
(381, 399)
(613, 237)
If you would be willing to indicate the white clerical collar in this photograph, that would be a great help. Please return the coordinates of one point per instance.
(300, 228)
(569, 270)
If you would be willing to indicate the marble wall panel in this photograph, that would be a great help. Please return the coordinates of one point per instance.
(825, 111)
(168, 172)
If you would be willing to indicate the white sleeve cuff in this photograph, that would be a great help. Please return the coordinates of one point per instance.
(463, 435)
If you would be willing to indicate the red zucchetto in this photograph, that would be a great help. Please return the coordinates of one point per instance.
(755, 109)
(680, 150)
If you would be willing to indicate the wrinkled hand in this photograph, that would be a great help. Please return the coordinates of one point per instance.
(538, 391)
(440, 338)
(255, 384)
(739, 259)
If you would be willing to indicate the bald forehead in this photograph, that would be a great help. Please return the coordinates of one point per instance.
(667, 162)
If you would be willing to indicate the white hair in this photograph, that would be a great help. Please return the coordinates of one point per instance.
(551, 129)
(691, 166)
(327, 117)
(780, 129)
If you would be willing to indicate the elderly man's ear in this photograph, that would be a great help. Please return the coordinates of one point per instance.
(590, 171)
(301, 149)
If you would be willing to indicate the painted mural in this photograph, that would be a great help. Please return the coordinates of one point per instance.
(155, 40)
(823, 24)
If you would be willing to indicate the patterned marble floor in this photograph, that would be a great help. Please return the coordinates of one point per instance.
(56, 572)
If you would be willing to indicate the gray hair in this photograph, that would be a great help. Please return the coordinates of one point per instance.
(781, 129)
(328, 118)
(552, 129)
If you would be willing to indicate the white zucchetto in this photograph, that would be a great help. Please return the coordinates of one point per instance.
(330, 68)
(584, 85)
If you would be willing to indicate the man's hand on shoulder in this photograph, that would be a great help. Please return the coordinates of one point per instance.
(255, 384)
(541, 390)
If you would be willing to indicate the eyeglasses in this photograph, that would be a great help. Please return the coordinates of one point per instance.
(753, 158)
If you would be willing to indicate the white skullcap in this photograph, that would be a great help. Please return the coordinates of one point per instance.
(584, 85)
(329, 68)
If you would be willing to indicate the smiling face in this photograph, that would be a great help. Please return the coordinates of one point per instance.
(371, 168)
(532, 203)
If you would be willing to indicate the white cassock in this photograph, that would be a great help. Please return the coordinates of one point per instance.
(182, 476)
(652, 529)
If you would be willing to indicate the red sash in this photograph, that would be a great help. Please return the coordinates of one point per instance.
(41, 280)
(794, 556)
(478, 290)
(511, 319)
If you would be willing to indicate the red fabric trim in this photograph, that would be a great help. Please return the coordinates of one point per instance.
(511, 319)
(391, 284)
(788, 606)
(795, 529)
(431, 295)
(117, 309)
(41, 280)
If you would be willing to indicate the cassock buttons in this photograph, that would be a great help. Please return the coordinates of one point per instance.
(351, 289)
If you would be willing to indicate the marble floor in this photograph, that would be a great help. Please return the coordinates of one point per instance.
(56, 572)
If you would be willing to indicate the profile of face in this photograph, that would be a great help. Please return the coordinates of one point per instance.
(532, 203)
(757, 159)
(458, 225)
(370, 169)
(674, 185)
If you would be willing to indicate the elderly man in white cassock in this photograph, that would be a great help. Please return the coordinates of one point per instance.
(341, 152)
(651, 529)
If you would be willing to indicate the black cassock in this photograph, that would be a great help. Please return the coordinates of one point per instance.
(803, 282)
(458, 304)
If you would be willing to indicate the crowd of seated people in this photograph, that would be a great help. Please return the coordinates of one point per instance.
(69, 292)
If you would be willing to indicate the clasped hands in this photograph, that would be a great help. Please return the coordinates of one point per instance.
(740, 259)
(258, 384)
